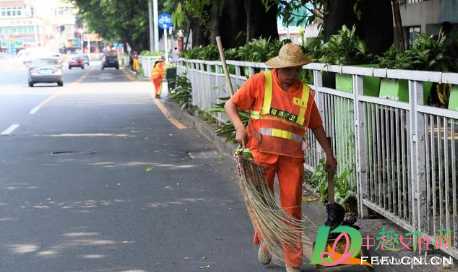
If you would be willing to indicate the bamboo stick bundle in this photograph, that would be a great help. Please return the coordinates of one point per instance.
(276, 228)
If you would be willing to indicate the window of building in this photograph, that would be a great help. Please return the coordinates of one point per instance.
(403, 2)
(416, 1)
(413, 33)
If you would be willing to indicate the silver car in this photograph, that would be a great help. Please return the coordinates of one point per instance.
(45, 70)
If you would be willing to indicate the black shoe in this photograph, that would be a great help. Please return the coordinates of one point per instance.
(336, 214)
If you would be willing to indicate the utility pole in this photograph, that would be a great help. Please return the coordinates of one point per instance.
(156, 25)
(151, 32)
(166, 47)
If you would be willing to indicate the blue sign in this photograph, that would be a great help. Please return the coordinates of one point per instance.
(165, 20)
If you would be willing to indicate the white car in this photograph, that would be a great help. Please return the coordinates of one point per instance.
(45, 70)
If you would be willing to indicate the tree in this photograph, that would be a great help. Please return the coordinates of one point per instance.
(125, 20)
(399, 37)
(373, 19)
(192, 16)
(207, 19)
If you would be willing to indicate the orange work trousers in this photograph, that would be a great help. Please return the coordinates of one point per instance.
(290, 174)
(157, 81)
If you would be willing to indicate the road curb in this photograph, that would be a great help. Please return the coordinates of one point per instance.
(205, 129)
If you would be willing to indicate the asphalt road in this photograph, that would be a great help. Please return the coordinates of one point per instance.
(95, 178)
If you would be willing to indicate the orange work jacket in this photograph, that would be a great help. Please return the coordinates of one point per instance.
(277, 127)
(158, 71)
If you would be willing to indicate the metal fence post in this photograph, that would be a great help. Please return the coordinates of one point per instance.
(318, 82)
(361, 145)
(195, 93)
(237, 70)
(417, 151)
(201, 86)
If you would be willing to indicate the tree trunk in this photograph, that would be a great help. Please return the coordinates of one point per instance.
(188, 33)
(399, 37)
(339, 13)
(124, 45)
(236, 28)
(249, 34)
(264, 21)
(232, 24)
(199, 33)
(375, 27)
(215, 19)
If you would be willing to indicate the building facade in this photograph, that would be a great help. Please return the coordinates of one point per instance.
(52, 24)
(427, 16)
(20, 27)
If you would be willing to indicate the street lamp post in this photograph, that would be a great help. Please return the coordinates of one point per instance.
(156, 25)
(166, 47)
(151, 32)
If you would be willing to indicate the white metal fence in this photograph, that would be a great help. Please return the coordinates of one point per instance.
(402, 156)
(147, 63)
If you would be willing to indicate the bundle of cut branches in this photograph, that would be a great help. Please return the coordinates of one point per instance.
(277, 229)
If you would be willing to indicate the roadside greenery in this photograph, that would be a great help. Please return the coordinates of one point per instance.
(258, 50)
(182, 93)
(227, 129)
(343, 187)
(147, 53)
(345, 47)
(427, 53)
(209, 52)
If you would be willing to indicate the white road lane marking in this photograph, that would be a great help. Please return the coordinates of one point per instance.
(52, 97)
(9, 130)
(167, 114)
(42, 104)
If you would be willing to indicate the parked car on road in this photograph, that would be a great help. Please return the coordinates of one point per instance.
(110, 61)
(45, 70)
(76, 61)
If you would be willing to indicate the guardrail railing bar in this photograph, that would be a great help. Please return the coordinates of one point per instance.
(361, 144)
(418, 147)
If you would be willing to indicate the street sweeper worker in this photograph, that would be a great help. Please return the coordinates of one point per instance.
(157, 75)
(281, 108)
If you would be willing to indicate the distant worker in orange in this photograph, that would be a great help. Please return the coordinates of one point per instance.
(281, 109)
(157, 75)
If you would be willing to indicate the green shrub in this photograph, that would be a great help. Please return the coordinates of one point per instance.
(209, 52)
(257, 50)
(182, 93)
(227, 130)
(427, 53)
(148, 53)
(312, 48)
(344, 48)
(343, 188)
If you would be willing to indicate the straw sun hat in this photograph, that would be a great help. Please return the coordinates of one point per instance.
(290, 55)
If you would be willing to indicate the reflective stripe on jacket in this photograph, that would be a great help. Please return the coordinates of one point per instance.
(279, 129)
